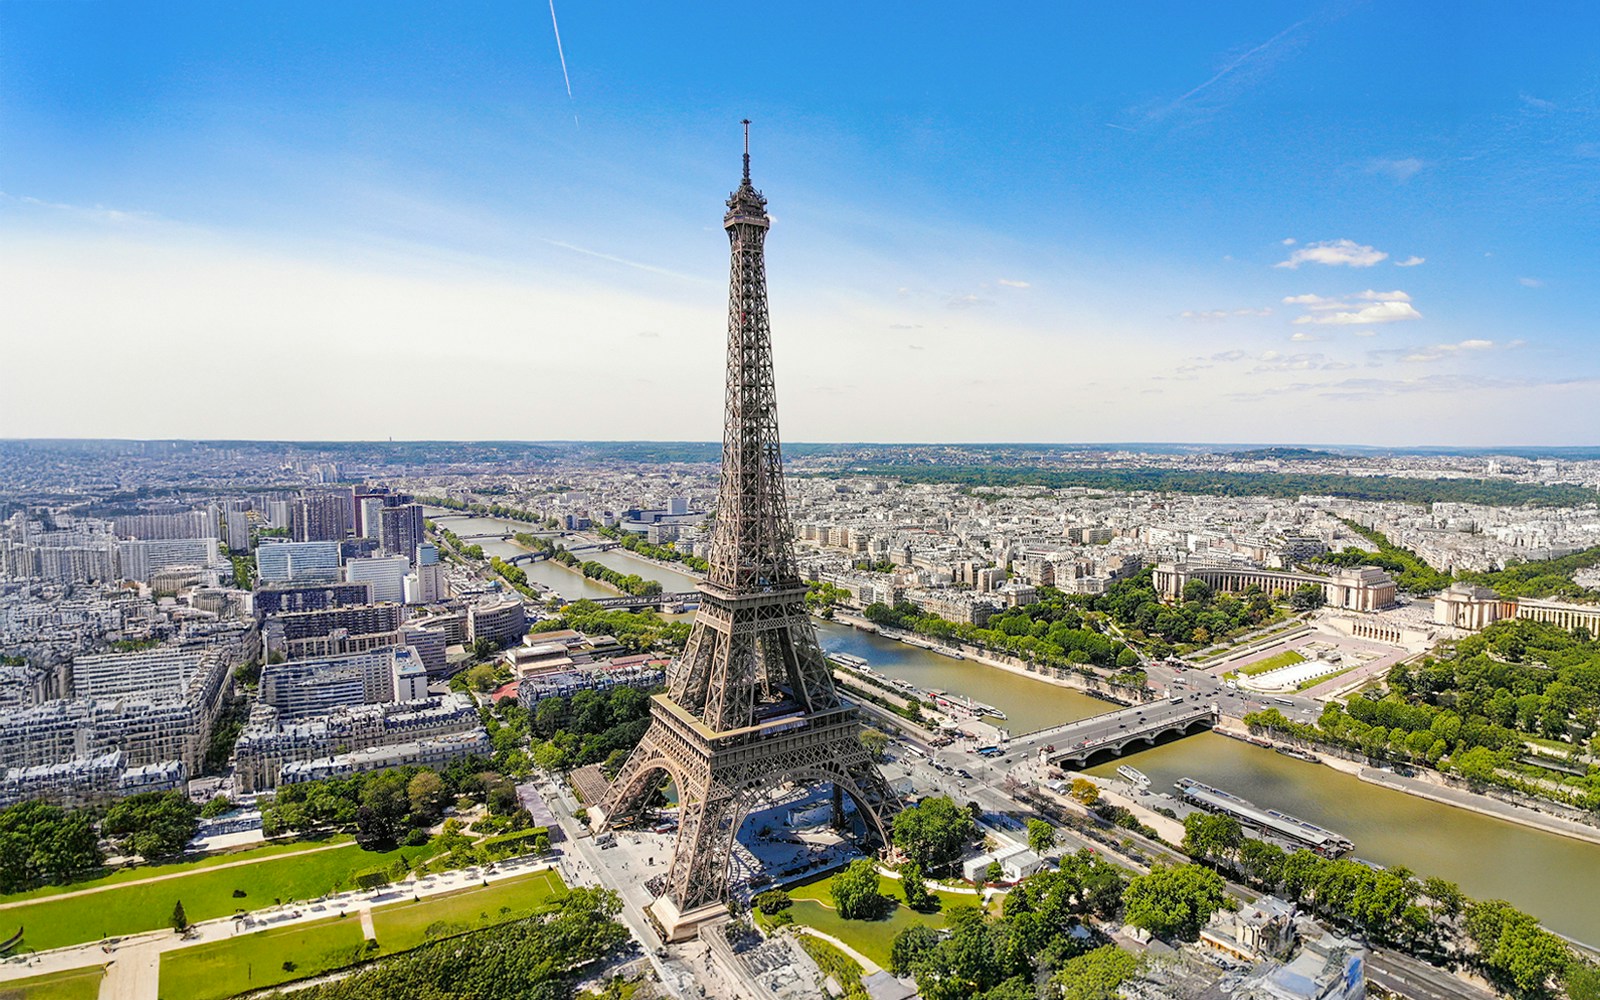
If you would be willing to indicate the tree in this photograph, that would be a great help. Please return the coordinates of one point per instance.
(772, 901)
(1211, 836)
(541, 842)
(1041, 836)
(1084, 791)
(40, 842)
(428, 796)
(934, 832)
(1261, 862)
(876, 742)
(1174, 901)
(1308, 597)
(180, 919)
(855, 891)
(909, 947)
(152, 824)
(1096, 975)
(916, 889)
(994, 873)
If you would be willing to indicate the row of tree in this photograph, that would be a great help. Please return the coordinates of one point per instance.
(634, 542)
(1411, 572)
(1289, 486)
(42, 843)
(385, 808)
(636, 630)
(1429, 917)
(628, 583)
(541, 956)
(1049, 633)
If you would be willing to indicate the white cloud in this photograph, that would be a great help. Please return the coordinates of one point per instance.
(1309, 300)
(1378, 312)
(1530, 282)
(1364, 333)
(1395, 296)
(964, 301)
(1400, 171)
(1010, 283)
(1288, 241)
(1411, 261)
(1303, 337)
(1217, 315)
(1334, 253)
(1272, 361)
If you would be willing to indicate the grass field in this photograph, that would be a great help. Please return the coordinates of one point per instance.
(74, 984)
(400, 926)
(1287, 658)
(813, 906)
(253, 961)
(206, 893)
(136, 872)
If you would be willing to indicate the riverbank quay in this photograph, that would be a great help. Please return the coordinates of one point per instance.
(1095, 687)
(1433, 786)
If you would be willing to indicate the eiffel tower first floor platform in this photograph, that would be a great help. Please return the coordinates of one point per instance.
(721, 777)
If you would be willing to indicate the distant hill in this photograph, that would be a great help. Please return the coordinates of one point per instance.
(1283, 454)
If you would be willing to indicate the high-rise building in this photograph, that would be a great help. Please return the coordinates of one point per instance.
(401, 530)
(282, 562)
(321, 516)
(236, 525)
(139, 560)
(501, 622)
(369, 511)
(280, 513)
(750, 706)
(387, 574)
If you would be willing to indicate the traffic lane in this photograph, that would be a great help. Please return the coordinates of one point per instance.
(1418, 980)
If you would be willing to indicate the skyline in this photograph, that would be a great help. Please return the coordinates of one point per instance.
(1271, 227)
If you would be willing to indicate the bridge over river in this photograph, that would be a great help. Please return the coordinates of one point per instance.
(1115, 733)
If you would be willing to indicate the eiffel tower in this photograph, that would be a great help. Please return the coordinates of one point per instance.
(750, 706)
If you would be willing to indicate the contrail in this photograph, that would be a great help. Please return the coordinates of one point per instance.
(562, 55)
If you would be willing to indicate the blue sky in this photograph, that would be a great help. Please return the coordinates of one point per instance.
(1340, 223)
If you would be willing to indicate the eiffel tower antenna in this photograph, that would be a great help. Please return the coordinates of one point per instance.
(750, 706)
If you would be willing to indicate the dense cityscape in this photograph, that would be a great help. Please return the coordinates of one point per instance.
(405, 590)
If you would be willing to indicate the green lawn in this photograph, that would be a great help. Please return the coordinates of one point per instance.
(74, 984)
(56, 921)
(134, 872)
(1286, 658)
(254, 961)
(813, 906)
(401, 926)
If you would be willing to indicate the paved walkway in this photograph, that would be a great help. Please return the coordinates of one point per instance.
(79, 893)
(1482, 804)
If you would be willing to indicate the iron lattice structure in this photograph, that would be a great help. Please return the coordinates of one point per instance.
(750, 705)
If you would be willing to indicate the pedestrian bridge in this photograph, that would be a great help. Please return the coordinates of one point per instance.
(1116, 733)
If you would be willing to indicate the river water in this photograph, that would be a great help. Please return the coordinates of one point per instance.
(1555, 878)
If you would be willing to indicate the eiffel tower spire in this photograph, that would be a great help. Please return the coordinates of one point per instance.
(750, 705)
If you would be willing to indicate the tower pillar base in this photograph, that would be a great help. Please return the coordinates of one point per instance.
(681, 926)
